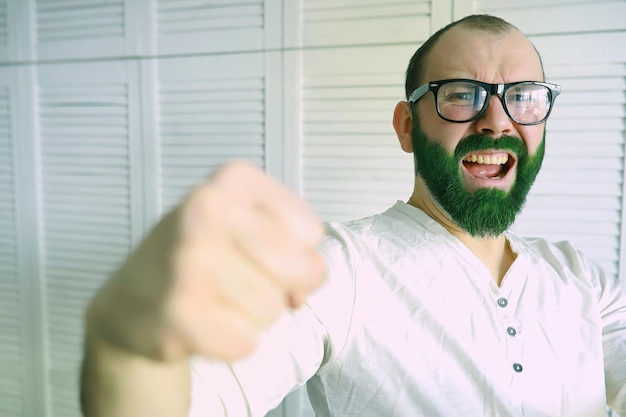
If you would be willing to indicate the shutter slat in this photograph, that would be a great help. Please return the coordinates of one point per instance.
(537, 16)
(602, 47)
(76, 20)
(562, 170)
(588, 70)
(343, 12)
(229, 139)
(317, 4)
(176, 18)
(4, 38)
(81, 221)
(583, 110)
(365, 30)
(211, 25)
(217, 107)
(317, 128)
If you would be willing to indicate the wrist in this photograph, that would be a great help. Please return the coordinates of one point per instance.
(116, 382)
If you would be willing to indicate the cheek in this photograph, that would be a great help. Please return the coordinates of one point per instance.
(447, 135)
(438, 130)
(532, 136)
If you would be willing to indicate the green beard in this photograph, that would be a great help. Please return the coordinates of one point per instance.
(485, 212)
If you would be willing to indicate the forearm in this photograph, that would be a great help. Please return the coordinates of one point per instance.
(115, 383)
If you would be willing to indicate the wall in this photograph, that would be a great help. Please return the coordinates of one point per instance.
(111, 110)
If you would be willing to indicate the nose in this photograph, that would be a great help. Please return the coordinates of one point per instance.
(494, 122)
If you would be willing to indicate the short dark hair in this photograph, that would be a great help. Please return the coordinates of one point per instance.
(480, 22)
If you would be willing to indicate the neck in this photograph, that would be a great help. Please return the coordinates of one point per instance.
(494, 252)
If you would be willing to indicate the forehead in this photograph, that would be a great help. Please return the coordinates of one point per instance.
(494, 58)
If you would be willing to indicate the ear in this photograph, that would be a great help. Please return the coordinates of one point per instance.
(403, 125)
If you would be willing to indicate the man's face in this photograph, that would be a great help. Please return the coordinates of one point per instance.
(479, 172)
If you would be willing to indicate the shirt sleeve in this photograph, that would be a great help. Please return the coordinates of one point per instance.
(289, 353)
(613, 309)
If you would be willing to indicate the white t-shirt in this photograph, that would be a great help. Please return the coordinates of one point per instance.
(411, 323)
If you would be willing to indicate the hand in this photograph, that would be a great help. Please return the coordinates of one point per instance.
(215, 272)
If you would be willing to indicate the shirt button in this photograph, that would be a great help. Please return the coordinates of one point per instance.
(503, 302)
(511, 331)
(517, 367)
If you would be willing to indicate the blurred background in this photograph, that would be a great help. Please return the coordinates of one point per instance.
(110, 110)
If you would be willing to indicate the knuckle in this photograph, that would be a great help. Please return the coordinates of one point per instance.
(312, 275)
(244, 346)
(232, 172)
(319, 265)
(203, 199)
(313, 267)
(271, 310)
(308, 228)
(233, 344)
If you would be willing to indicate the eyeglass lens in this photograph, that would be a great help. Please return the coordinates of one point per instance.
(461, 101)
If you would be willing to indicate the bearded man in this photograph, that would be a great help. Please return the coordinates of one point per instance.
(432, 308)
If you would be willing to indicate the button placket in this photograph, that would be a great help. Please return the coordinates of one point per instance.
(510, 307)
(503, 303)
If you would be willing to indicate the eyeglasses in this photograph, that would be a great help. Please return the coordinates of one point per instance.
(461, 100)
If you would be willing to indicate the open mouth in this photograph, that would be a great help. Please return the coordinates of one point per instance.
(488, 166)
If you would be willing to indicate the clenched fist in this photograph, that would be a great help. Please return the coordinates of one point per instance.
(214, 273)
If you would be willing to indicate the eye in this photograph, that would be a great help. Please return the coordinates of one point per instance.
(521, 98)
(460, 97)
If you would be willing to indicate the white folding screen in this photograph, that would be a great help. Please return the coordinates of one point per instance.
(110, 111)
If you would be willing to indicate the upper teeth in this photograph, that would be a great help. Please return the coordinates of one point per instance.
(488, 160)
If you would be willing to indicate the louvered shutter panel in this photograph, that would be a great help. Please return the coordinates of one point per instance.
(354, 22)
(12, 360)
(352, 162)
(212, 109)
(71, 29)
(353, 165)
(4, 29)
(87, 204)
(192, 26)
(578, 195)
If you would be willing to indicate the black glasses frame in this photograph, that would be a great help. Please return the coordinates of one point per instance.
(492, 89)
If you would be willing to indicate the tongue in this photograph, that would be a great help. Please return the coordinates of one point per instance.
(483, 170)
